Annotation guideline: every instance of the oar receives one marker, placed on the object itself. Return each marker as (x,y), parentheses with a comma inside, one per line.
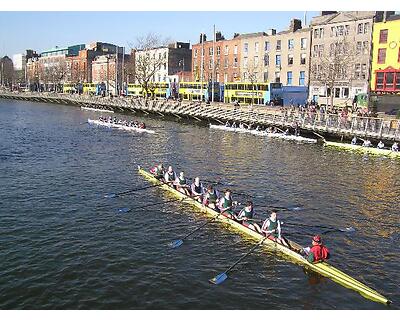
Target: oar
(318,135)
(223,276)
(346,229)
(160,203)
(177,243)
(114,195)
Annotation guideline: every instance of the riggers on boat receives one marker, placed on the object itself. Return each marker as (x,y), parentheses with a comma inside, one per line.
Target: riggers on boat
(119,126)
(359,148)
(322,268)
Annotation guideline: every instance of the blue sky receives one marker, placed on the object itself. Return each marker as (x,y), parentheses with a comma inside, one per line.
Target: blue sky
(43,30)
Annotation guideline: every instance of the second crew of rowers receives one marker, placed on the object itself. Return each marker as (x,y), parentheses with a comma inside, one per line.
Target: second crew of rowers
(271,228)
(181,185)
(380,145)
(226,204)
(170,177)
(395,147)
(210,198)
(197,190)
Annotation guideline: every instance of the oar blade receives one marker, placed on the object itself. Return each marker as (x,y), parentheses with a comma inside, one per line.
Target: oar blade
(110,195)
(348,229)
(219,278)
(123,210)
(176,243)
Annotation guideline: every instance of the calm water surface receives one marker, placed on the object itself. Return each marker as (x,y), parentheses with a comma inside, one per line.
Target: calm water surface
(64,246)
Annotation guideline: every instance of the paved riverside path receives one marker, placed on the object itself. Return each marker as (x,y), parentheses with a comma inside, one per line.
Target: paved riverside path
(331,125)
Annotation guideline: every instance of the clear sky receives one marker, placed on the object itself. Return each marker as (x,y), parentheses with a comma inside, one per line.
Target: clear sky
(44,30)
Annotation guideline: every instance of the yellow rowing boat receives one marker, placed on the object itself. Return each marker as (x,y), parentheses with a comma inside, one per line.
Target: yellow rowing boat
(359,148)
(322,268)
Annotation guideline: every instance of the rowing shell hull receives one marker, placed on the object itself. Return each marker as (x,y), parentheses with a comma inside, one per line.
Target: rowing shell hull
(119,126)
(95,109)
(322,268)
(358,148)
(264,134)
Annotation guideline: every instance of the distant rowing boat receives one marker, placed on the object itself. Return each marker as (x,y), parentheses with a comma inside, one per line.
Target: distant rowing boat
(95,109)
(119,126)
(359,148)
(265,134)
(322,268)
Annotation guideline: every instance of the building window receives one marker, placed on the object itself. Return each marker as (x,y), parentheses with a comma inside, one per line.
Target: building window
(278,60)
(235,62)
(388,80)
(290,59)
(381,55)
(278,44)
(255,61)
(210,64)
(266,60)
(256,47)
(366,27)
(303,43)
(226,63)
(245,62)
(290,44)
(235,49)
(277,76)
(380,77)
(358,47)
(245,48)
(383,35)
(289,78)
(266,46)
(359,28)
(302,78)
(265,76)
(364,71)
(210,51)
(195,53)
(357,70)
(303,57)
(365,47)
(226,50)
(218,51)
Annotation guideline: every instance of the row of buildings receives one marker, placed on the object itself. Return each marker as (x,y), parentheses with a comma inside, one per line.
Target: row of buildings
(335,58)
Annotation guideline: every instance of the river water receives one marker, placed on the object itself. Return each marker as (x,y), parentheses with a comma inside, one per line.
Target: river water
(63,245)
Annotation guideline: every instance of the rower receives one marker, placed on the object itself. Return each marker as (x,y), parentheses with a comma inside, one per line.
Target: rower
(142,125)
(180,184)
(234,125)
(241,126)
(367,143)
(211,197)
(226,204)
(170,176)
(354,140)
(227,124)
(318,252)
(380,145)
(197,189)
(246,215)
(395,147)
(158,171)
(271,228)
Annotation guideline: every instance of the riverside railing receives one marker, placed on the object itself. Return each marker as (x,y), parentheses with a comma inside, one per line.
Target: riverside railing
(372,127)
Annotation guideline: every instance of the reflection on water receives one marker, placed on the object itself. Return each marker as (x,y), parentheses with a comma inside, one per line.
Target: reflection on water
(65,246)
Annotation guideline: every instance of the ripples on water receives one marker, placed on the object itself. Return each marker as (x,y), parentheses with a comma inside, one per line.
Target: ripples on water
(64,246)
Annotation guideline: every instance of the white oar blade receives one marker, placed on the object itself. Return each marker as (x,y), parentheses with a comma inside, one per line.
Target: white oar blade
(110,195)
(176,243)
(124,210)
(219,278)
(348,229)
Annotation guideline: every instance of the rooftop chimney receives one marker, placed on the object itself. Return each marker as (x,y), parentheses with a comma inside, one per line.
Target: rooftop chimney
(203,37)
(271,32)
(295,24)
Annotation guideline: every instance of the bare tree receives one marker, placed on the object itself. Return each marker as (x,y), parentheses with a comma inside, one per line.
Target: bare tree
(252,69)
(335,66)
(147,60)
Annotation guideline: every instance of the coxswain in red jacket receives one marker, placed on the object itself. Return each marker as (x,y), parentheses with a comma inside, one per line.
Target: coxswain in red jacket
(318,252)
